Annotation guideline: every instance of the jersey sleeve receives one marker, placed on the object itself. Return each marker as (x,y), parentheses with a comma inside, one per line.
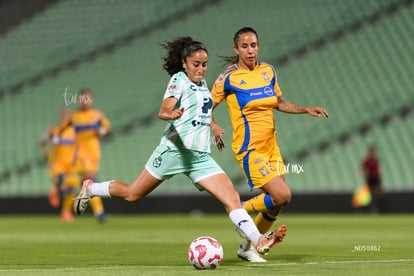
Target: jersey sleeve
(173,88)
(105,122)
(277,90)
(276,87)
(217,92)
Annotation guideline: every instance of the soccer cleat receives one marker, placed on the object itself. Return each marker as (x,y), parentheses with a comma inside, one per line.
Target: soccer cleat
(82,200)
(270,239)
(250,254)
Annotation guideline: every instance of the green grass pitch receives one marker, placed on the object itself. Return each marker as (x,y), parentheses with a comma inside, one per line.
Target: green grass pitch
(157,245)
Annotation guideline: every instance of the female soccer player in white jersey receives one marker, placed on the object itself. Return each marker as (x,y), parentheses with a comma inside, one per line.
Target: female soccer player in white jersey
(185,144)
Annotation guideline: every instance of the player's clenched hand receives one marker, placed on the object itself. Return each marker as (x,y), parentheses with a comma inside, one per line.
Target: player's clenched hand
(176,113)
(219,143)
(218,133)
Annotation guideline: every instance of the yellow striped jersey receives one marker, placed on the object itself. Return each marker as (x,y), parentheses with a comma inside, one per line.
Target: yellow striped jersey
(62,144)
(87,124)
(251,97)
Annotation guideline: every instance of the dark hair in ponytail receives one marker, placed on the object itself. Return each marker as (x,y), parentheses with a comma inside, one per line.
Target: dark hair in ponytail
(235,59)
(178,50)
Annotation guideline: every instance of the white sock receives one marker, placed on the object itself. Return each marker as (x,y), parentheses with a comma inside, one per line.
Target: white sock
(245,224)
(99,189)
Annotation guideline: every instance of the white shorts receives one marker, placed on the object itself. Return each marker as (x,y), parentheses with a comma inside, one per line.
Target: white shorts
(165,162)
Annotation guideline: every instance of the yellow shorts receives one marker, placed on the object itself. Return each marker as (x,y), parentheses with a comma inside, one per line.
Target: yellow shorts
(88,156)
(65,171)
(72,180)
(87,165)
(58,168)
(261,167)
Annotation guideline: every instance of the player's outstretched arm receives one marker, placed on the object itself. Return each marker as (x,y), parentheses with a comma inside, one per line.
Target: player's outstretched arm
(289,107)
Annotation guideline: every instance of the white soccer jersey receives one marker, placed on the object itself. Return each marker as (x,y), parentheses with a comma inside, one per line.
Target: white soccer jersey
(192,129)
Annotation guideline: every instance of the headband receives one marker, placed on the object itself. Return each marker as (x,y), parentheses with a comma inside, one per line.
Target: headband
(193,47)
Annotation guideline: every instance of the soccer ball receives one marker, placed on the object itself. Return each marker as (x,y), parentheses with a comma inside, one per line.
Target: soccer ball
(205,253)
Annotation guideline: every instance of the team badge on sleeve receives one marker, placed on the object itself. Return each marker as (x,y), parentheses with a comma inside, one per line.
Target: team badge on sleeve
(157,162)
(171,87)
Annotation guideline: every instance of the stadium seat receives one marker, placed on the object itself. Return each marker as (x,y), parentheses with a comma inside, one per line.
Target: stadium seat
(354,78)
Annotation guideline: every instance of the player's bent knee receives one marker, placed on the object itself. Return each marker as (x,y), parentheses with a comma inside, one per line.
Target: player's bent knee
(286,197)
(283,198)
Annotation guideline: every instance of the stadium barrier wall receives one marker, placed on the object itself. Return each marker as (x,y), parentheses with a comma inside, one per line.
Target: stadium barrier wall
(301,203)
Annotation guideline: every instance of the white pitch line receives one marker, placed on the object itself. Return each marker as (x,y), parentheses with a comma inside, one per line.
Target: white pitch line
(335,262)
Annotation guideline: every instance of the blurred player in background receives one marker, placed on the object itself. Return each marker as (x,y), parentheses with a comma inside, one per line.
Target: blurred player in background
(185,144)
(251,91)
(90,125)
(372,176)
(61,160)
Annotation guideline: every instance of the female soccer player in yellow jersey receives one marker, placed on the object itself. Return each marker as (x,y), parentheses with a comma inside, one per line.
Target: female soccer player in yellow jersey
(185,144)
(90,125)
(61,160)
(251,91)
